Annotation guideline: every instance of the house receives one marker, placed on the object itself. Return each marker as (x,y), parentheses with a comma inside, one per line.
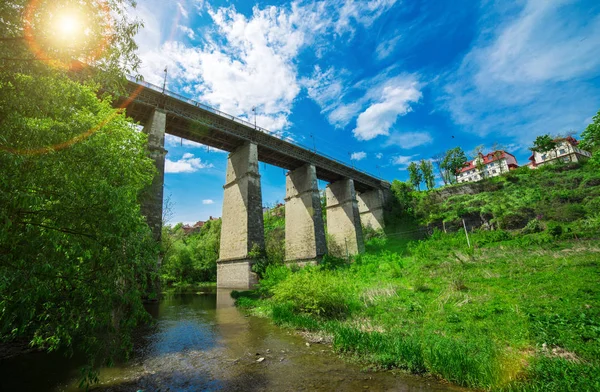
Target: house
(491,165)
(566,150)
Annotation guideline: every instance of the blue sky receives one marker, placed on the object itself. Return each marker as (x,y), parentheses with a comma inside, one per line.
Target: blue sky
(381,82)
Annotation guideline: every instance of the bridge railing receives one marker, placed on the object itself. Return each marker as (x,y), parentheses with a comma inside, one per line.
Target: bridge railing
(236,119)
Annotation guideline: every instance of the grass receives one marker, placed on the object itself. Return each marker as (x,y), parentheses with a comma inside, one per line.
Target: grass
(515,312)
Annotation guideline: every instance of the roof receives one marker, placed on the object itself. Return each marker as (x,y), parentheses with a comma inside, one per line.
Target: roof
(488,158)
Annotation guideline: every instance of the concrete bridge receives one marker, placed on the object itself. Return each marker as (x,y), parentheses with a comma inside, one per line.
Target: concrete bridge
(353,197)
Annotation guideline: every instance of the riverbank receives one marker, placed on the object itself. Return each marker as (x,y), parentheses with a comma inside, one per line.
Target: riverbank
(515,312)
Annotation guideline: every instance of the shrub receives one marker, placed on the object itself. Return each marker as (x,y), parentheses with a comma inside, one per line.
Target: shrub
(533,226)
(273,275)
(317,292)
(555,230)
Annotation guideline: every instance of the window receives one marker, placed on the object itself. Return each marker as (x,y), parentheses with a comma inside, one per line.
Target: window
(562,151)
(494,171)
(544,157)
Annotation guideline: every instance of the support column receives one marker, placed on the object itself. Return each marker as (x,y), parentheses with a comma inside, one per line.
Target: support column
(304,229)
(152,199)
(343,219)
(242,225)
(370,206)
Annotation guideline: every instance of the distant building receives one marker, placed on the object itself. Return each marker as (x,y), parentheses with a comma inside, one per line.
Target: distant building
(566,150)
(187,229)
(492,165)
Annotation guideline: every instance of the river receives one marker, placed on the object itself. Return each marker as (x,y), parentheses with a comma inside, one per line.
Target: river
(201,342)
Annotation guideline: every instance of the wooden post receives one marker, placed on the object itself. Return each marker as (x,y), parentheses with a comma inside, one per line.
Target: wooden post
(466,233)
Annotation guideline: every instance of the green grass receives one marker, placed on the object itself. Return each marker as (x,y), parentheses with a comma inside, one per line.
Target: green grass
(516,312)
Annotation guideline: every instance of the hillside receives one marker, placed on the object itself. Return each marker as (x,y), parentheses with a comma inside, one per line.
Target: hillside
(566,195)
(519,309)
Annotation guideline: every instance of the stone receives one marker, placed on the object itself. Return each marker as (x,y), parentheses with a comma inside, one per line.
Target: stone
(242,222)
(370,207)
(304,228)
(343,219)
(152,197)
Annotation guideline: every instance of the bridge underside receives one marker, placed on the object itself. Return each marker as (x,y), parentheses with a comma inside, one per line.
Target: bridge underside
(279,153)
(354,198)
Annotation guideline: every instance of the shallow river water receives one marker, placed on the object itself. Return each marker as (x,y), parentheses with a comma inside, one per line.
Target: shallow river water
(201,342)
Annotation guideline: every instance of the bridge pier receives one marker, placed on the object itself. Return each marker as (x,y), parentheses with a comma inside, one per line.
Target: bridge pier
(304,229)
(242,222)
(370,206)
(152,199)
(343,219)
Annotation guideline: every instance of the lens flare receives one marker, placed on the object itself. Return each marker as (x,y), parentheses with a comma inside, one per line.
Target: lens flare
(51,27)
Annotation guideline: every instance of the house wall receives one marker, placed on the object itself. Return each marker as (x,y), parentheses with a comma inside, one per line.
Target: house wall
(564,151)
(492,169)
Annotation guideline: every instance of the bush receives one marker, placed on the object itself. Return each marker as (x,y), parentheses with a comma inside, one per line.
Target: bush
(318,292)
(533,226)
(555,230)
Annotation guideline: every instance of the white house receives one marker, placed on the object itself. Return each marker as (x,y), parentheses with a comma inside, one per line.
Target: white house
(566,150)
(491,165)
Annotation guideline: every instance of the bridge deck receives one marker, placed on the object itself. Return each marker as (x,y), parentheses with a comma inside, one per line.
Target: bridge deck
(194,121)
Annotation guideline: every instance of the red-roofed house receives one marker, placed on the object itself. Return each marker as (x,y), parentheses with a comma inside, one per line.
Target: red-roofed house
(492,165)
(566,150)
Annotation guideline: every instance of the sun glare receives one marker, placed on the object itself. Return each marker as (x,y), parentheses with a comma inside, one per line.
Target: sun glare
(68,27)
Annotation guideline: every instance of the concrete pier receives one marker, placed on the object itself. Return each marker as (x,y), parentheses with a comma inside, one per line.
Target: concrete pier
(343,219)
(304,229)
(242,226)
(152,199)
(370,206)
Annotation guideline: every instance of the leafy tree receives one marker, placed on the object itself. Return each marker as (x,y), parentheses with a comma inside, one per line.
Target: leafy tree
(454,160)
(543,143)
(75,252)
(438,159)
(427,172)
(415,175)
(590,137)
(75,249)
(48,37)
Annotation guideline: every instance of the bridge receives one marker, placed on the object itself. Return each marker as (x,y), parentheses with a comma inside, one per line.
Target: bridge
(353,198)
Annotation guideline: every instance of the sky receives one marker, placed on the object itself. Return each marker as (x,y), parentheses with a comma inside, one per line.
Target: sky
(375,83)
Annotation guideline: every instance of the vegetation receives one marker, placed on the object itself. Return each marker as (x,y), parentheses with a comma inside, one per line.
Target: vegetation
(76,254)
(415,176)
(543,143)
(190,258)
(516,310)
(590,138)
(427,171)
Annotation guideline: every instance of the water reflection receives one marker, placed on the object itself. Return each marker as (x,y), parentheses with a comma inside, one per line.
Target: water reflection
(201,342)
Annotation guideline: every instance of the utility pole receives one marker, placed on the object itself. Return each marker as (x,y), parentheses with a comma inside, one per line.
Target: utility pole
(314,143)
(165,80)
(378,170)
(254,110)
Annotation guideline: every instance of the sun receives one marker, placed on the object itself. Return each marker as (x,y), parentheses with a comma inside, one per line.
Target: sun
(68,27)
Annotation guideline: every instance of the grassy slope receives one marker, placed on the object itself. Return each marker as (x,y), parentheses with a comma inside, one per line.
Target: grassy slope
(516,312)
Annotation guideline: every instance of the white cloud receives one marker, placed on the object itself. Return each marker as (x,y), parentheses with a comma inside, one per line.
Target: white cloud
(187,164)
(396,96)
(208,201)
(385,48)
(379,155)
(357,156)
(174,141)
(408,140)
(530,75)
(402,161)
(182,10)
(246,62)
(188,31)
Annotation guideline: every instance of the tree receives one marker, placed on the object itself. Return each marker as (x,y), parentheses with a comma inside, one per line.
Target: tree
(427,172)
(590,137)
(415,175)
(48,37)
(75,252)
(438,159)
(543,144)
(454,160)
